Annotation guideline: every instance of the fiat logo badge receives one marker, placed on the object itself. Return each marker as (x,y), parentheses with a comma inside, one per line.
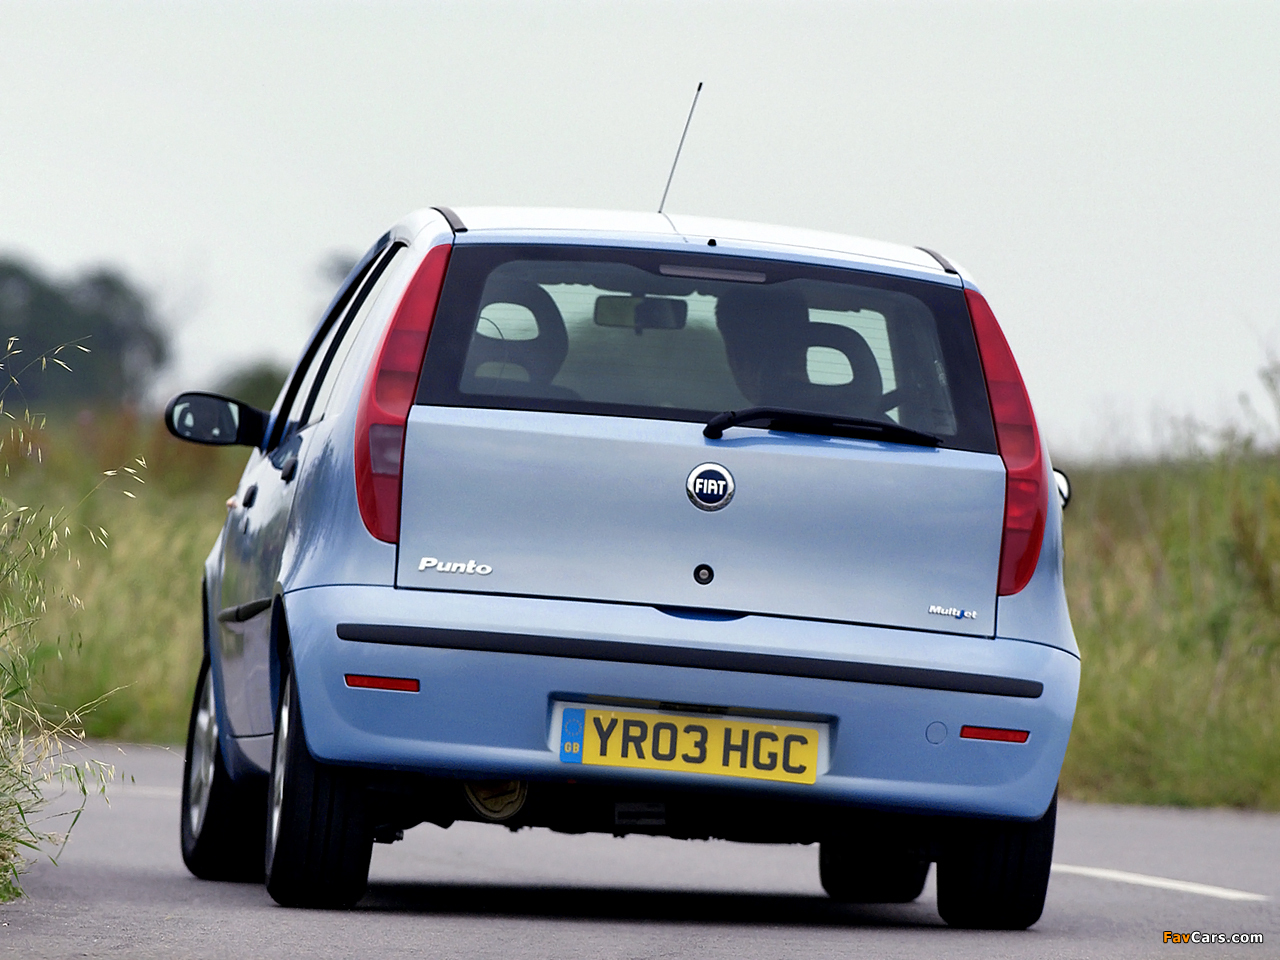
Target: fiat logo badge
(710,486)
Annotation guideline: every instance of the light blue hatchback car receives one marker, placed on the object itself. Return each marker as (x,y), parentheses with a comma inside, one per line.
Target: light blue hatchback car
(635,523)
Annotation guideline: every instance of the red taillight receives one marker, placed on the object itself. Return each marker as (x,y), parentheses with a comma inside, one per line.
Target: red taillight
(1026,496)
(388,395)
(994,733)
(365,682)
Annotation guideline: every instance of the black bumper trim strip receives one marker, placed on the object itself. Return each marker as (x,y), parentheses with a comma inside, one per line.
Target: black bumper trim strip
(660,655)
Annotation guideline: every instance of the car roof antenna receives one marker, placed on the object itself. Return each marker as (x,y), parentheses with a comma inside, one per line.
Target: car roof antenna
(672,174)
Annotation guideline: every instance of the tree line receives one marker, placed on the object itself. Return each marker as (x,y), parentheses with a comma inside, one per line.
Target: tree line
(108,331)
(98,322)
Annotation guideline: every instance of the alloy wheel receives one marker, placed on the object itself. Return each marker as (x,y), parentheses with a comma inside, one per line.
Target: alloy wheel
(204,751)
(278,769)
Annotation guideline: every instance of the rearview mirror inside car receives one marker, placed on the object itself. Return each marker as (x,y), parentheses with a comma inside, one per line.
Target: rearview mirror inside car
(215,420)
(641,313)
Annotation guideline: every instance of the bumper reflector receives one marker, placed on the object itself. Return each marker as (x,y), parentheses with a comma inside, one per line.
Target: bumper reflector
(994,733)
(403,684)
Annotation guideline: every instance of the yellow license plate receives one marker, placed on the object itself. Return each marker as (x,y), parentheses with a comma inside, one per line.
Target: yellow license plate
(724,746)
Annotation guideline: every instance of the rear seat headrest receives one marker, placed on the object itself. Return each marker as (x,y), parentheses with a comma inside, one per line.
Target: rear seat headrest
(767,335)
(541,356)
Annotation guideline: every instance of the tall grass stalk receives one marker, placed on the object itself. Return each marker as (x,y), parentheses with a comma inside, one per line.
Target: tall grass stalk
(34,741)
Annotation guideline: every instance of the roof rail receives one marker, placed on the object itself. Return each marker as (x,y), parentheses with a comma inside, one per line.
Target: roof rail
(942,261)
(456,224)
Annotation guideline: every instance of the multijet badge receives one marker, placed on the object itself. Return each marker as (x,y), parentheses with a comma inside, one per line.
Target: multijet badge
(953,612)
(710,486)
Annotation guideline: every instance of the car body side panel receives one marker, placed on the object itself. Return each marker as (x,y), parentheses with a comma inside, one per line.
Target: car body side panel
(484,714)
(254,539)
(422,229)
(328,542)
(243,652)
(253,755)
(323,538)
(1039,611)
(226,648)
(323,534)
(242,756)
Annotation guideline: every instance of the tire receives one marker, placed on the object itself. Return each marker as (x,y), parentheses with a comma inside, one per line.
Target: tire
(995,873)
(319,841)
(857,871)
(223,822)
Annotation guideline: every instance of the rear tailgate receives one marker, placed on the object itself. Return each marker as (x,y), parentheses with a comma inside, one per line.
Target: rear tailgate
(544,504)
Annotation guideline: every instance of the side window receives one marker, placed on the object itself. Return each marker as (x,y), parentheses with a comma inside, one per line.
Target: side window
(309,376)
(298,387)
(339,345)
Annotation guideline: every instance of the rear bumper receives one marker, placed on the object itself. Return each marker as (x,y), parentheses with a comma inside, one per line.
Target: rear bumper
(486,699)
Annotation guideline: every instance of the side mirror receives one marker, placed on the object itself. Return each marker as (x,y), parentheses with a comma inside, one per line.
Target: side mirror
(215,420)
(1064,487)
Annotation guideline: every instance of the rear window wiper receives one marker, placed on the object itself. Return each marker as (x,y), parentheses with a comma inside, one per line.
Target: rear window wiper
(804,421)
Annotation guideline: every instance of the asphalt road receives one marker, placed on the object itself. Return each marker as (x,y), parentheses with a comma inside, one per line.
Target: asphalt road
(120,890)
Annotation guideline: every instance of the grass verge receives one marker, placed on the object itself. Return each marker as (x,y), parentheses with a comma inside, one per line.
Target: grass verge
(1173,580)
(137,641)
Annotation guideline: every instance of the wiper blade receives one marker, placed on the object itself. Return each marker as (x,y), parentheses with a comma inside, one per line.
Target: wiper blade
(804,421)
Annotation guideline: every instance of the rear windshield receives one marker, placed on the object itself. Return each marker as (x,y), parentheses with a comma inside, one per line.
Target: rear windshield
(654,334)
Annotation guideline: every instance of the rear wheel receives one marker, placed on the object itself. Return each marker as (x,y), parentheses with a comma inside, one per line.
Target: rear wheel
(223,822)
(319,842)
(994,874)
(863,871)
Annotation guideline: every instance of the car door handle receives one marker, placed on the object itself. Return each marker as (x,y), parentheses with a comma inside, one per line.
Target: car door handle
(289,468)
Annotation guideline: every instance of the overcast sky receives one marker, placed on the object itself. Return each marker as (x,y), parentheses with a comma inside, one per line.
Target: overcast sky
(1110,172)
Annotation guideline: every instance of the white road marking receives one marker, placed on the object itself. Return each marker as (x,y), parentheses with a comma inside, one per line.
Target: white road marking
(1162,883)
(117,790)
